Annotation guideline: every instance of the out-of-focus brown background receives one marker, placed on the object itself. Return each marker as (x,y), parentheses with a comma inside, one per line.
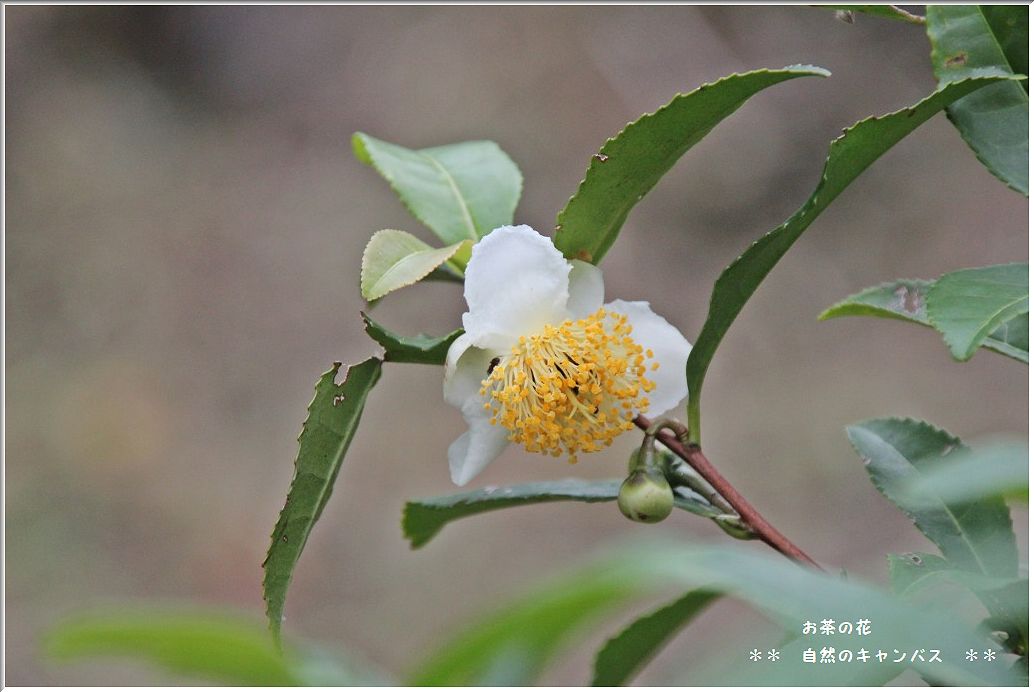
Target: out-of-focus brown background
(185,222)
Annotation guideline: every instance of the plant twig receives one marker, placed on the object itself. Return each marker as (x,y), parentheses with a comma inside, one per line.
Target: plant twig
(695,458)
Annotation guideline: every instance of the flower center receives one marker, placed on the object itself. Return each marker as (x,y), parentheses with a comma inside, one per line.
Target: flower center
(573,388)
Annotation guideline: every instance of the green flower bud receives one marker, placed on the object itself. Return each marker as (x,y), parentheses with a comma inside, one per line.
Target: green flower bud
(645,496)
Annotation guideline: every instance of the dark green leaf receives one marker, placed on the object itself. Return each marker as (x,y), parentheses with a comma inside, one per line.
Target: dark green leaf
(460,191)
(423,349)
(968,305)
(993,122)
(974,536)
(631,163)
(994,469)
(396,259)
(884,11)
(333,417)
(849,155)
(423,519)
(624,654)
(906,300)
(1010,26)
(222,649)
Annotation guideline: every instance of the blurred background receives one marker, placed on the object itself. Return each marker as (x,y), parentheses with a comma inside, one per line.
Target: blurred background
(185,223)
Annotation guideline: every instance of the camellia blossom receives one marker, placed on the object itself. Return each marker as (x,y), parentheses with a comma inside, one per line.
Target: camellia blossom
(544,363)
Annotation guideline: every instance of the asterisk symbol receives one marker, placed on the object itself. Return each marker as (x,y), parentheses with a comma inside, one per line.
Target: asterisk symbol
(773,655)
(972,655)
(989,655)
(755,655)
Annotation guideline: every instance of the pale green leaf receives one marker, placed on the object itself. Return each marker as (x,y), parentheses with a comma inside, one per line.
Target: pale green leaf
(422,519)
(849,155)
(994,121)
(423,349)
(333,417)
(905,299)
(395,259)
(202,644)
(975,535)
(460,191)
(631,649)
(222,649)
(996,468)
(968,305)
(631,163)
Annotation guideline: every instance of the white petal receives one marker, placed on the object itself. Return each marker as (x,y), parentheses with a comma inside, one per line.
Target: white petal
(585,288)
(670,351)
(475,449)
(465,367)
(516,283)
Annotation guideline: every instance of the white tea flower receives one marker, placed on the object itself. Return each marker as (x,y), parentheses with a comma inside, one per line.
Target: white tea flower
(544,363)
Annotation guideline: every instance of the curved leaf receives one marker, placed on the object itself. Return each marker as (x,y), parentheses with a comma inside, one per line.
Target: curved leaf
(423,349)
(460,191)
(333,417)
(994,469)
(993,122)
(897,452)
(223,649)
(624,654)
(631,163)
(395,259)
(849,155)
(905,299)
(423,519)
(968,305)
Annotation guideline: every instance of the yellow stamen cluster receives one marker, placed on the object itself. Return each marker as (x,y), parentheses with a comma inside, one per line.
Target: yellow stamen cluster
(572,388)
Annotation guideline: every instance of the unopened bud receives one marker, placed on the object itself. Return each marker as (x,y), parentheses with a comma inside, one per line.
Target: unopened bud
(645,496)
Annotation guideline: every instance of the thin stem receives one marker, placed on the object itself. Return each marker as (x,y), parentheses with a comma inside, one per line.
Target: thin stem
(695,458)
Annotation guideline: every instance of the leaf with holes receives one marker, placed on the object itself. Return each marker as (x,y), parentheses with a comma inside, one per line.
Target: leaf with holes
(975,535)
(460,191)
(967,40)
(883,11)
(631,163)
(422,349)
(333,417)
(628,651)
(849,155)
(395,259)
(423,519)
(905,299)
(968,305)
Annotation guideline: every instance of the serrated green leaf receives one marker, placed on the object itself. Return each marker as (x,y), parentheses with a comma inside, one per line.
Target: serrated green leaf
(905,299)
(460,191)
(422,519)
(977,535)
(395,259)
(968,305)
(993,122)
(884,11)
(631,163)
(202,644)
(849,155)
(1010,26)
(994,469)
(632,648)
(333,417)
(422,349)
